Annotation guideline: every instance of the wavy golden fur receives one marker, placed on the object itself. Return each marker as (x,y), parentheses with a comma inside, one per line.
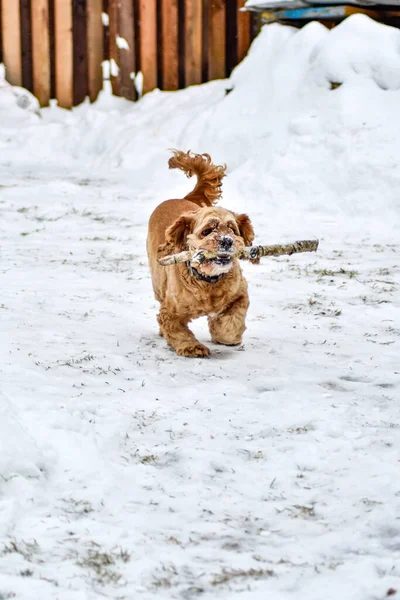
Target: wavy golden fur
(216,289)
(208,188)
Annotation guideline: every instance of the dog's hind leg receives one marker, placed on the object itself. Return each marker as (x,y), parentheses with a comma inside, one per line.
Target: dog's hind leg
(228,327)
(178,335)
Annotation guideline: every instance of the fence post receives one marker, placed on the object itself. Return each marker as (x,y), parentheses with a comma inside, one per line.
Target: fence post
(79,36)
(26,46)
(148,43)
(63,52)
(112,47)
(41,51)
(169,44)
(95,47)
(193,41)
(217,40)
(126,52)
(11,34)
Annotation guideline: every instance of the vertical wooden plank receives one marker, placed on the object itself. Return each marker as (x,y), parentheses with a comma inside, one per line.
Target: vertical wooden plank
(181,43)
(63,53)
(95,48)
(243,31)
(11,40)
(193,15)
(205,37)
(52,50)
(26,44)
(148,43)
(127,49)
(136,32)
(41,51)
(169,44)
(106,31)
(217,40)
(113,52)
(79,50)
(159,39)
(231,36)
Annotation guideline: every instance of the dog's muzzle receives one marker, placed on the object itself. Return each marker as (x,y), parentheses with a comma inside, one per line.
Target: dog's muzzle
(222,260)
(208,278)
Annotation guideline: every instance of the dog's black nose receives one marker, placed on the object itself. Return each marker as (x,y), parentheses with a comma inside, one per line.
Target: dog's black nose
(226,243)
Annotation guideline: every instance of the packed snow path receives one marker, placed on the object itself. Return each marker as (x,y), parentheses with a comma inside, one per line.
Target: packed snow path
(126,471)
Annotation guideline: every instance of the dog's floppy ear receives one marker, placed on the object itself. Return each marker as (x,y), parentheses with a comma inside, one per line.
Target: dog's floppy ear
(245,228)
(176,235)
(247,233)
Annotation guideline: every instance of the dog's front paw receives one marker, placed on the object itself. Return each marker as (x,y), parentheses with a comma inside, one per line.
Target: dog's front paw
(193,351)
(226,342)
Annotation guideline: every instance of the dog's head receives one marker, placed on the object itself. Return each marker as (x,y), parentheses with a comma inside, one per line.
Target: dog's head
(216,230)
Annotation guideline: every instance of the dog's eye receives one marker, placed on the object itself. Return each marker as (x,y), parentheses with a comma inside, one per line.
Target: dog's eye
(206,232)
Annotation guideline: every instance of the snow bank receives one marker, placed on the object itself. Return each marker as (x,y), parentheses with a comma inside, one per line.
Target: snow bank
(359,52)
(315,112)
(19,453)
(16,103)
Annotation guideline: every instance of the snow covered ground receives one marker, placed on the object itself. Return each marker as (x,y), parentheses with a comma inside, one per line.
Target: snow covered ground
(267,471)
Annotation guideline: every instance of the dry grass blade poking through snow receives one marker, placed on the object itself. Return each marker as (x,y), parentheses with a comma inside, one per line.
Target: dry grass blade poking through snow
(252,252)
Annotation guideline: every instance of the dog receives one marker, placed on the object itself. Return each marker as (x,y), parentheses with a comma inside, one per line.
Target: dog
(216,288)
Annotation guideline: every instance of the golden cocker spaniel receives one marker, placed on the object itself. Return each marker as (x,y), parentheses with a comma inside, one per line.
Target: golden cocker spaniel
(216,288)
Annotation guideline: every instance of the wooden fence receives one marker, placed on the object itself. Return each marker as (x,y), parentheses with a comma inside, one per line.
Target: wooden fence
(55,48)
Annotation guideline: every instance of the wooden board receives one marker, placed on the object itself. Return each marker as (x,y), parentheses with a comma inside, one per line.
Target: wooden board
(11,40)
(127,62)
(113,53)
(95,47)
(41,51)
(243,31)
(63,53)
(26,47)
(148,43)
(216,40)
(106,31)
(231,9)
(52,52)
(79,37)
(193,25)
(169,45)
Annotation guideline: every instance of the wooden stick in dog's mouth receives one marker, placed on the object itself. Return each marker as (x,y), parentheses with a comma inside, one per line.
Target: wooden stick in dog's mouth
(252,253)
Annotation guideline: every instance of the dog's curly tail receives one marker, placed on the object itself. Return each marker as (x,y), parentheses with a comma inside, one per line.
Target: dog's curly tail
(208,188)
